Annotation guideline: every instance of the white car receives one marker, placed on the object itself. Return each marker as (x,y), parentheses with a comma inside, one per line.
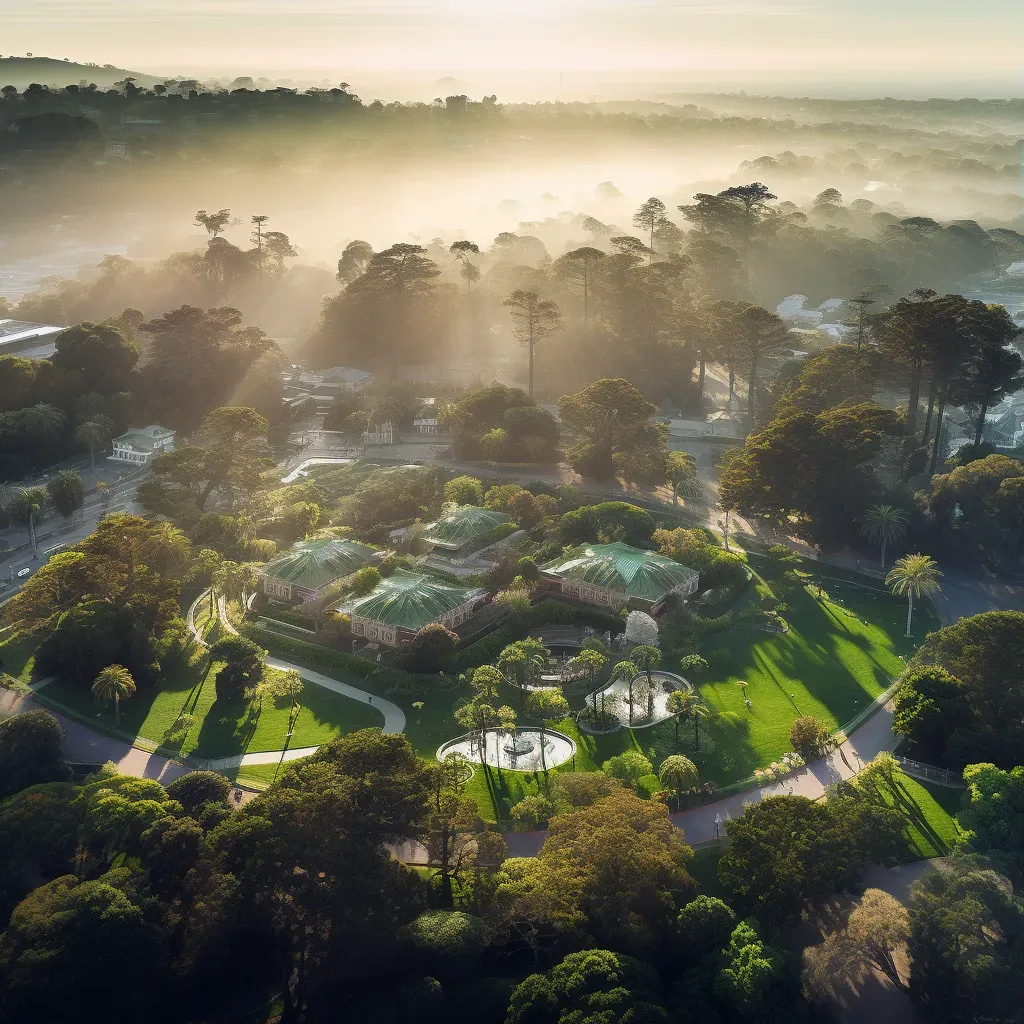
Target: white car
(24,572)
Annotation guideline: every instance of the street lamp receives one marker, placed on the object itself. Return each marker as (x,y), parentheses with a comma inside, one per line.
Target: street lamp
(718,828)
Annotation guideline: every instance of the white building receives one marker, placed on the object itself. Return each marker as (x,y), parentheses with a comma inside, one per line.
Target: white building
(138,446)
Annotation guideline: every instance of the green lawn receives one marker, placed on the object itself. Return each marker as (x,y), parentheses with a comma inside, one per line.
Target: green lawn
(18,654)
(217,732)
(838,655)
(929,811)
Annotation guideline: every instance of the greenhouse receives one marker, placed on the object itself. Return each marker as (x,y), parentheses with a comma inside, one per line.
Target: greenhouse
(402,604)
(467,529)
(302,573)
(613,575)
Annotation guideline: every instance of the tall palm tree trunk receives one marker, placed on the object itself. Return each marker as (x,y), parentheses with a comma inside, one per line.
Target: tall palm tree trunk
(910,609)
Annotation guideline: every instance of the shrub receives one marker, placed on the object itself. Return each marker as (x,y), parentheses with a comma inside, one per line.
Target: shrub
(365,580)
(197,788)
(721,659)
(464,490)
(628,767)
(810,737)
(449,941)
(430,649)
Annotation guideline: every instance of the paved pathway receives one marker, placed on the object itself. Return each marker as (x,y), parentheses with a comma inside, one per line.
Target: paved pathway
(873,736)
(84,746)
(394,716)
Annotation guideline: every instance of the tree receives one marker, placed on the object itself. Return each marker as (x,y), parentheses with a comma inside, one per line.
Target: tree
(679,775)
(992,818)
(99,358)
(112,685)
(915,576)
(966,946)
(810,738)
(986,712)
(431,648)
(930,705)
(450,943)
(464,490)
(533,320)
(577,268)
(28,506)
(646,657)
(67,493)
(194,790)
(610,425)
(353,261)
(752,979)
(761,334)
(606,521)
(214,223)
(884,525)
(704,926)
(647,218)
(613,873)
(594,985)
(787,852)
(495,445)
(94,433)
(687,704)
(682,475)
(590,664)
(72,943)
(629,767)
(810,474)
(30,751)
(641,629)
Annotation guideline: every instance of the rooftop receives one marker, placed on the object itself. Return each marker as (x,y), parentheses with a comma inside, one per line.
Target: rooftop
(461,527)
(313,564)
(144,438)
(623,569)
(411,601)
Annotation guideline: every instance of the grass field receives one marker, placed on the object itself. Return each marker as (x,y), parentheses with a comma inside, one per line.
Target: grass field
(929,811)
(836,658)
(216,731)
(17,655)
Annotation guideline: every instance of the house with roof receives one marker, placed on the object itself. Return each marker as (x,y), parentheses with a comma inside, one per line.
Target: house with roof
(618,574)
(141,445)
(466,530)
(322,386)
(403,603)
(308,568)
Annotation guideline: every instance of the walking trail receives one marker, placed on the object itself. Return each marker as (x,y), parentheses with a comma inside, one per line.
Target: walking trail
(394,716)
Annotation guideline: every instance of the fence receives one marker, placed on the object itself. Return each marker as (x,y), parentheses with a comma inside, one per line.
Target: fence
(929,773)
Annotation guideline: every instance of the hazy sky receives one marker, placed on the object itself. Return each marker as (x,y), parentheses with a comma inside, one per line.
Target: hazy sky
(871,42)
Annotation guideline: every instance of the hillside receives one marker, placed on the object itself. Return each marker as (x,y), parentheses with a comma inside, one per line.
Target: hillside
(23,71)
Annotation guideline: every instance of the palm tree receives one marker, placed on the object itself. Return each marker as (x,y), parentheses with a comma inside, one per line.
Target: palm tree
(645,657)
(884,525)
(687,704)
(590,663)
(43,420)
(167,547)
(28,506)
(624,671)
(94,433)
(113,684)
(679,774)
(67,493)
(916,576)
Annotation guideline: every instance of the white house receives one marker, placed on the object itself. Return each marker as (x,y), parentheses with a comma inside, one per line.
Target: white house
(141,444)
(323,386)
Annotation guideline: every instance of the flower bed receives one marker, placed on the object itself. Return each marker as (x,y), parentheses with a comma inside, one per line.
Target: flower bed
(786,765)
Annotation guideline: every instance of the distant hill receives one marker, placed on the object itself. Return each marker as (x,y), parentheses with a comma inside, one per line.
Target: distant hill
(21,72)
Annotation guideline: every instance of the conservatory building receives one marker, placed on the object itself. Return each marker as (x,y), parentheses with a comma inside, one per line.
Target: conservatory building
(306,569)
(466,530)
(616,575)
(403,603)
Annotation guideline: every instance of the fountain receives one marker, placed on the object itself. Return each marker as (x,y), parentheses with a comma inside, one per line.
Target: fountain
(527,750)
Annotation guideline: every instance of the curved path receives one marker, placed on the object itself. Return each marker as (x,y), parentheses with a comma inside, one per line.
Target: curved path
(394,716)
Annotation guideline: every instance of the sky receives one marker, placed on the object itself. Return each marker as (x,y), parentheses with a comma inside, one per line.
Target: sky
(867,47)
